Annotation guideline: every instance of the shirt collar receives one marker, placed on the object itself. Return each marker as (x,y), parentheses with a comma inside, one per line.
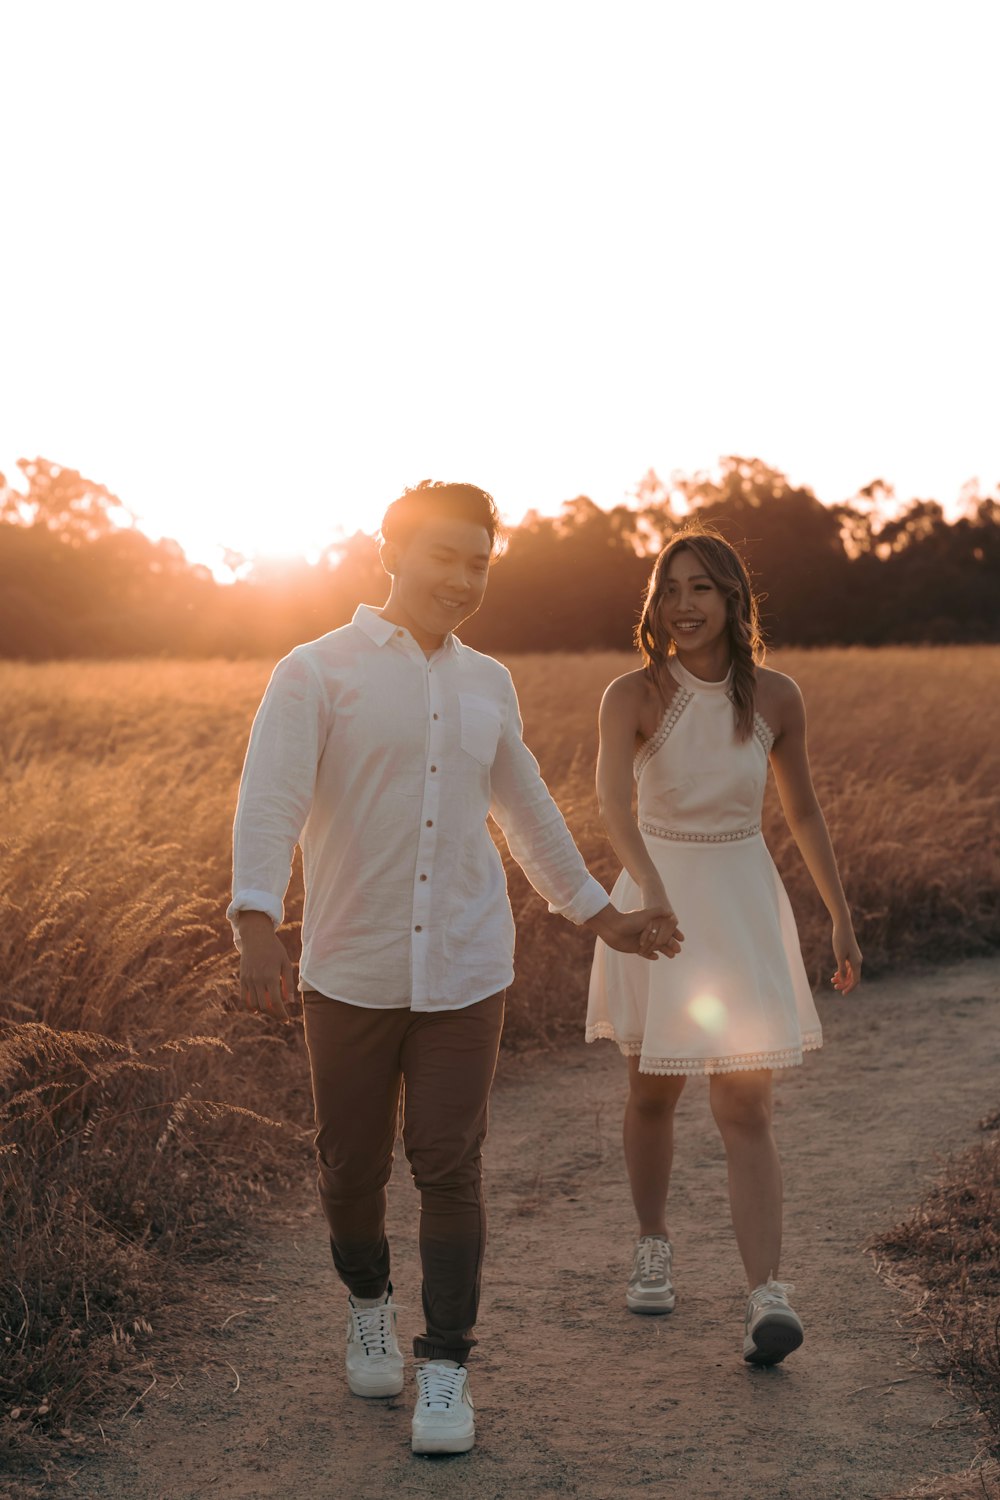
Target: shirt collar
(382,631)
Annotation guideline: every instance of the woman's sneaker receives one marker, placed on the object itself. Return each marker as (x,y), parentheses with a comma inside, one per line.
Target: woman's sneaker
(444,1417)
(772,1328)
(374,1361)
(650,1289)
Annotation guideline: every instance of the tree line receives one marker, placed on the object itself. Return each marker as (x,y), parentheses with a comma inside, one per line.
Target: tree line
(78,579)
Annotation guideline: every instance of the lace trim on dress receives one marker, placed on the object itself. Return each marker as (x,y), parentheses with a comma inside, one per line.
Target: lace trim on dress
(693,1067)
(683,836)
(761,728)
(764,732)
(671,714)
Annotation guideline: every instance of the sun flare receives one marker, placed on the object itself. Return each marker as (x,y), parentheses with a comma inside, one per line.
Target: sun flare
(708,1012)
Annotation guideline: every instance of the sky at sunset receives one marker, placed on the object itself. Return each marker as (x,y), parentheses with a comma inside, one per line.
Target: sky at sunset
(264,264)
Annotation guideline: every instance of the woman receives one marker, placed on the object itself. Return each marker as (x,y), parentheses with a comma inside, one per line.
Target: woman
(695,727)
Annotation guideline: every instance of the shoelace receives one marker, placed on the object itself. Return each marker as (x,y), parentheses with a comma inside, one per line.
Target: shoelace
(653,1258)
(439,1386)
(772,1294)
(374,1325)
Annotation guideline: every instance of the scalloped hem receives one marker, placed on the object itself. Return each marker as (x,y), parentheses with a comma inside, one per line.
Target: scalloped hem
(696,1067)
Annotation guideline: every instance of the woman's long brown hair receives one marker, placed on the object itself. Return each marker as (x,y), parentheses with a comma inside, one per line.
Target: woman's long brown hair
(728,572)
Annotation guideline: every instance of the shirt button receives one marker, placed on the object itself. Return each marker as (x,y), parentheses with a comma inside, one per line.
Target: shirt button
(418,928)
(429,823)
(423,877)
(433,716)
(433,768)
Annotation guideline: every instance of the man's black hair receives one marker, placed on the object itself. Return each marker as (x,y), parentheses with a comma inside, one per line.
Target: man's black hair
(431,499)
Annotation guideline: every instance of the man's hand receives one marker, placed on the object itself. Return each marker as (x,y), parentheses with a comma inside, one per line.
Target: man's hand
(267,978)
(649,932)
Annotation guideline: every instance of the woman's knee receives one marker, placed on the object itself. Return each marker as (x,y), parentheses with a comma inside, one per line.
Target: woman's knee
(741,1105)
(653,1096)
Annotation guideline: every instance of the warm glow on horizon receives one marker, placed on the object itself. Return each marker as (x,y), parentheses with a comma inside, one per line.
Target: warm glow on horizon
(265,267)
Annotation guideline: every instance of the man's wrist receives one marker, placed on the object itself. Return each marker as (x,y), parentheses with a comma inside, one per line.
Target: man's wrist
(251,921)
(602,920)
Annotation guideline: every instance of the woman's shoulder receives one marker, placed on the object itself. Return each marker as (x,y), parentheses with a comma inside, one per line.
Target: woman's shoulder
(629,688)
(778,697)
(634,703)
(779,684)
(631,695)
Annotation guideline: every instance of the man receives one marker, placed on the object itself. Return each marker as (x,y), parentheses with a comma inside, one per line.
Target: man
(383,747)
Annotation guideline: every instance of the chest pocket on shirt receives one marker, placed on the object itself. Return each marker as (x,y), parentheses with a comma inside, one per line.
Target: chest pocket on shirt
(481,725)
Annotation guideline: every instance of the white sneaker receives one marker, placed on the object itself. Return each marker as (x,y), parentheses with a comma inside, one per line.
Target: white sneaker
(772,1328)
(650,1289)
(374,1361)
(444,1417)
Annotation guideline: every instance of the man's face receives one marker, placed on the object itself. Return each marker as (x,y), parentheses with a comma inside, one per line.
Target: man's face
(439,577)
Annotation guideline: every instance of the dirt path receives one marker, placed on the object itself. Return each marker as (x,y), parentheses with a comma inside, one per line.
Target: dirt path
(575,1396)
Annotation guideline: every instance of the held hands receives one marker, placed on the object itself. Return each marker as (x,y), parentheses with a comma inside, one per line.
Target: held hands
(662,932)
(848,956)
(648,932)
(267,979)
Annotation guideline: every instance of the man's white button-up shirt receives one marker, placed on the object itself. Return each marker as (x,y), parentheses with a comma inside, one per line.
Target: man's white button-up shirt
(384,765)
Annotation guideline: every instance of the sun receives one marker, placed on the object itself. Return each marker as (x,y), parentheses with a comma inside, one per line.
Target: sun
(228,539)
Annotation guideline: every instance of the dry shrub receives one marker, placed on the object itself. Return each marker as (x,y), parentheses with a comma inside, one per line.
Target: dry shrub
(110,1162)
(949,1251)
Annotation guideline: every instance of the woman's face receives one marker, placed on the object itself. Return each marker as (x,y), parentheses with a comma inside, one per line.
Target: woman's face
(692,609)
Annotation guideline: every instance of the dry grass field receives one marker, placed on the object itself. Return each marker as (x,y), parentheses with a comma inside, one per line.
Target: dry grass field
(135,1107)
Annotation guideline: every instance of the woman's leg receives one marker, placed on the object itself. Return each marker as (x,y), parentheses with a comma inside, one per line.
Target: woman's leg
(648,1136)
(741,1104)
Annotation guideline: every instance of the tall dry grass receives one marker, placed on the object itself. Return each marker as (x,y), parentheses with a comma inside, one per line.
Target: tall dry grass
(119,1066)
(134,1104)
(948,1253)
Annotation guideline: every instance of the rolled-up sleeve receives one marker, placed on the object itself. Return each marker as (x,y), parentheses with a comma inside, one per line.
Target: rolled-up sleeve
(276,788)
(535,829)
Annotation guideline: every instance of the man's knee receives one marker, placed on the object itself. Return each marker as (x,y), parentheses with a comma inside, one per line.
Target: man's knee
(348,1176)
(446,1169)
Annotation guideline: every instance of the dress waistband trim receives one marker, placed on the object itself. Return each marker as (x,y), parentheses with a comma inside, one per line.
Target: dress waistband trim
(681,835)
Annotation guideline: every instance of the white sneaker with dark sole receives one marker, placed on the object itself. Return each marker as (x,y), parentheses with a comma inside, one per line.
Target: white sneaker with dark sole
(374,1361)
(650,1289)
(772,1328)
(444,1416)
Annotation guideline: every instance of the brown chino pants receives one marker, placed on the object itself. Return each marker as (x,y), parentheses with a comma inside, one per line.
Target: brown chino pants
(444,1061)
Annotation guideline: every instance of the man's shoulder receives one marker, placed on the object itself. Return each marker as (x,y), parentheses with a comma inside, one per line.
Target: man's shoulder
(329,649)
(482,667)
(323,657)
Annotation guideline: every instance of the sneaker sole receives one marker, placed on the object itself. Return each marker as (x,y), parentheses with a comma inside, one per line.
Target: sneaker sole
(772,1339)
(389,1383)
(457,1442)
(640,1304)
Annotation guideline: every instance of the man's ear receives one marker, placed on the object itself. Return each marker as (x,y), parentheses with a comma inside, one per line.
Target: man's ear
(388,556)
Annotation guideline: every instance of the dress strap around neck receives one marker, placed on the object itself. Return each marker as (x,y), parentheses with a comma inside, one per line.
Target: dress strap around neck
(695,684)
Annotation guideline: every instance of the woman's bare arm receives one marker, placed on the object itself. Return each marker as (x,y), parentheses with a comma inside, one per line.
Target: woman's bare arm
(800,805)
(619,725)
